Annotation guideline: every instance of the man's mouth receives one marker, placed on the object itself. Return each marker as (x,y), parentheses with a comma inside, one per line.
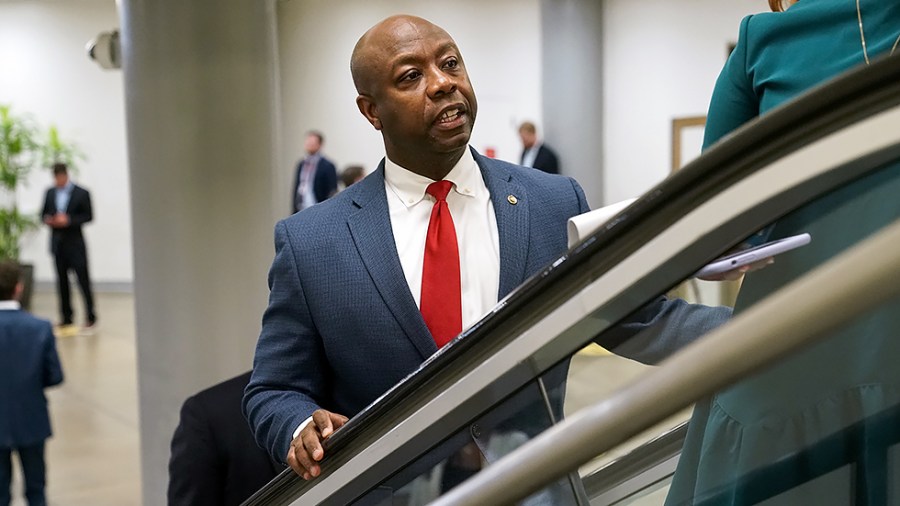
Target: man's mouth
(449,116)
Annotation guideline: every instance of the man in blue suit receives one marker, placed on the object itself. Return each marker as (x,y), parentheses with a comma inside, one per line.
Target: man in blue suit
(338,334)
(316,177)
(28,365)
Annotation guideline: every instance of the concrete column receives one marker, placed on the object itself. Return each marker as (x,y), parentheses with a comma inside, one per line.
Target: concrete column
(201,104)
(572,82)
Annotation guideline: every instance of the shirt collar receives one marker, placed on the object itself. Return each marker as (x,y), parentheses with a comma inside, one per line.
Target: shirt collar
(68,186)
(410,187)
(9,305)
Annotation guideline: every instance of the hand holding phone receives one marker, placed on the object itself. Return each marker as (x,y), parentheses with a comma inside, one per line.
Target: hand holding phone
(741,258)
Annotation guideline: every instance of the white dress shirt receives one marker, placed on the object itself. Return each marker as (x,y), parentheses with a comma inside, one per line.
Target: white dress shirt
(9,305)
(530,155)
(476,233)
(306,185)
(474,221)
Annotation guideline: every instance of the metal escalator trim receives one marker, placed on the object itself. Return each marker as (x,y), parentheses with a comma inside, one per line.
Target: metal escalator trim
(650,454)
(800,313)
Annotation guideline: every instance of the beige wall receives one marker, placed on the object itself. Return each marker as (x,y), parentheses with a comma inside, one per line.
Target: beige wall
(46,72)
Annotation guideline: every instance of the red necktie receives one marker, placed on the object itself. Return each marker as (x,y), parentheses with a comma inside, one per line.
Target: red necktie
(441,301)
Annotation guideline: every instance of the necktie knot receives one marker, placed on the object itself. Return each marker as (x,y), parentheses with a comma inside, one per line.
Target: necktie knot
(439,189)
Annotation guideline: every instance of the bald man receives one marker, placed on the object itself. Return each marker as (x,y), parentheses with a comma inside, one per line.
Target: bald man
(509,222)
(336,336)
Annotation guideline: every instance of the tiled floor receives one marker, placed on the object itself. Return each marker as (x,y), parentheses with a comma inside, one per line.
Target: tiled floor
(93,458)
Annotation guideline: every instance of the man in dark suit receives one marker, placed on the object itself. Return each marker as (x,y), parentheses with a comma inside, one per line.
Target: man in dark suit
(67,207)
(418,250)
(28,365)
(536,154)
(316,177)
(215,461)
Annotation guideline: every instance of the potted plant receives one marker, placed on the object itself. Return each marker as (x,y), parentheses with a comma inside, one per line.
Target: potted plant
(19,152)
(56,150)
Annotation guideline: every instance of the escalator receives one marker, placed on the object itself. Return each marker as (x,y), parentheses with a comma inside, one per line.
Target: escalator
(829,157)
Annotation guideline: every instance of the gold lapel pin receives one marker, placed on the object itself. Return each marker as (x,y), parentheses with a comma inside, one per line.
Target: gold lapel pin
(512,199)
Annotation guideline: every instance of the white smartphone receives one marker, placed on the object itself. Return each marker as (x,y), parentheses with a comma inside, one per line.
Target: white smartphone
(750,255)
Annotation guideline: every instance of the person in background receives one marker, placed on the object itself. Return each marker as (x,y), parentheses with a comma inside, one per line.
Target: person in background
(810,397)
(214,459)
(352,174)
(28,365)
(67,207)
(536,154)
(316,177)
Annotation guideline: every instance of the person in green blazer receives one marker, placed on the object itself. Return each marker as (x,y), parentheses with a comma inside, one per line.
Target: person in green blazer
(852,375)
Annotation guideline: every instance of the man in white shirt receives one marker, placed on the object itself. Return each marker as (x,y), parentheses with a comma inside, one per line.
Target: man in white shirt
(536,154)
(417,251)
(508,222)
(315,179)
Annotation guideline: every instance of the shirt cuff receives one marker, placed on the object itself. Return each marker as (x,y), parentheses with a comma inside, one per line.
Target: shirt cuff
(301,427)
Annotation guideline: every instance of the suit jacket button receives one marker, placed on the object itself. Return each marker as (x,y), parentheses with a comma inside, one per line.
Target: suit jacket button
(512,199)
(476,431)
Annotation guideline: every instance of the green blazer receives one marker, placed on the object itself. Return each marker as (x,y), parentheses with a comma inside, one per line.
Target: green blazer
(850,376)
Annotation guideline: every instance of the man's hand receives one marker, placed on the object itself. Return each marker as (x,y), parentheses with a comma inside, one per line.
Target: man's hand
(306,449)
(58,220)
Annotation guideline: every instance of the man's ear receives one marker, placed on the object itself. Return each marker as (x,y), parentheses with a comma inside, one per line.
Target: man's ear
(368,109)
(17,294)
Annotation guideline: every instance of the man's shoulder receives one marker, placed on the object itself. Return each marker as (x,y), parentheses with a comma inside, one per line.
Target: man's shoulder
(324,160)
(79,189)
(547,149)
(24,320)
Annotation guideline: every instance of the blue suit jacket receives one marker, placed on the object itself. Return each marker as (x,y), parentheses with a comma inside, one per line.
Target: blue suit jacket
(28,364)
(342,326)
(324,181)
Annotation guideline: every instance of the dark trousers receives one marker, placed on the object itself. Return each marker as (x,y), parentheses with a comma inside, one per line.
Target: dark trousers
(32,460)
(73,259)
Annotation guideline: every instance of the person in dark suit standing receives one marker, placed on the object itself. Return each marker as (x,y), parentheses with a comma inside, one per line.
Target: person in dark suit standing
(28,365)
(316,177)
(214,460)
(67,207)
(536,154)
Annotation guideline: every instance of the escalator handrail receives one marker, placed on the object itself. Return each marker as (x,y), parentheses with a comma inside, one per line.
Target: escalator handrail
(819,112)
(800,314)
(648,455)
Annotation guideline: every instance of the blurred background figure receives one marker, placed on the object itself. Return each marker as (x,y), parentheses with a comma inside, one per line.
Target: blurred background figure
(536,154)
(215,461)
(316,177)
(352,174)
(67,207)
(28,365)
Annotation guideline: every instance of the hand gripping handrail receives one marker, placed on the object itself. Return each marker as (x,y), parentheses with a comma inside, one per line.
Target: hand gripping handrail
(799,314)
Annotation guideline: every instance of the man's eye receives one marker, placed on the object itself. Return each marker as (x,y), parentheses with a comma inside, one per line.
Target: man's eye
(451,63)
(411,76)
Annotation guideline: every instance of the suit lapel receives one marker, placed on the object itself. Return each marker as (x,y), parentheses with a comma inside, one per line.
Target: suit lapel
(512,221)
(370,227)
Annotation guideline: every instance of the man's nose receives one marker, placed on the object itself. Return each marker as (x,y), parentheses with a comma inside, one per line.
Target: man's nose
(441,83)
